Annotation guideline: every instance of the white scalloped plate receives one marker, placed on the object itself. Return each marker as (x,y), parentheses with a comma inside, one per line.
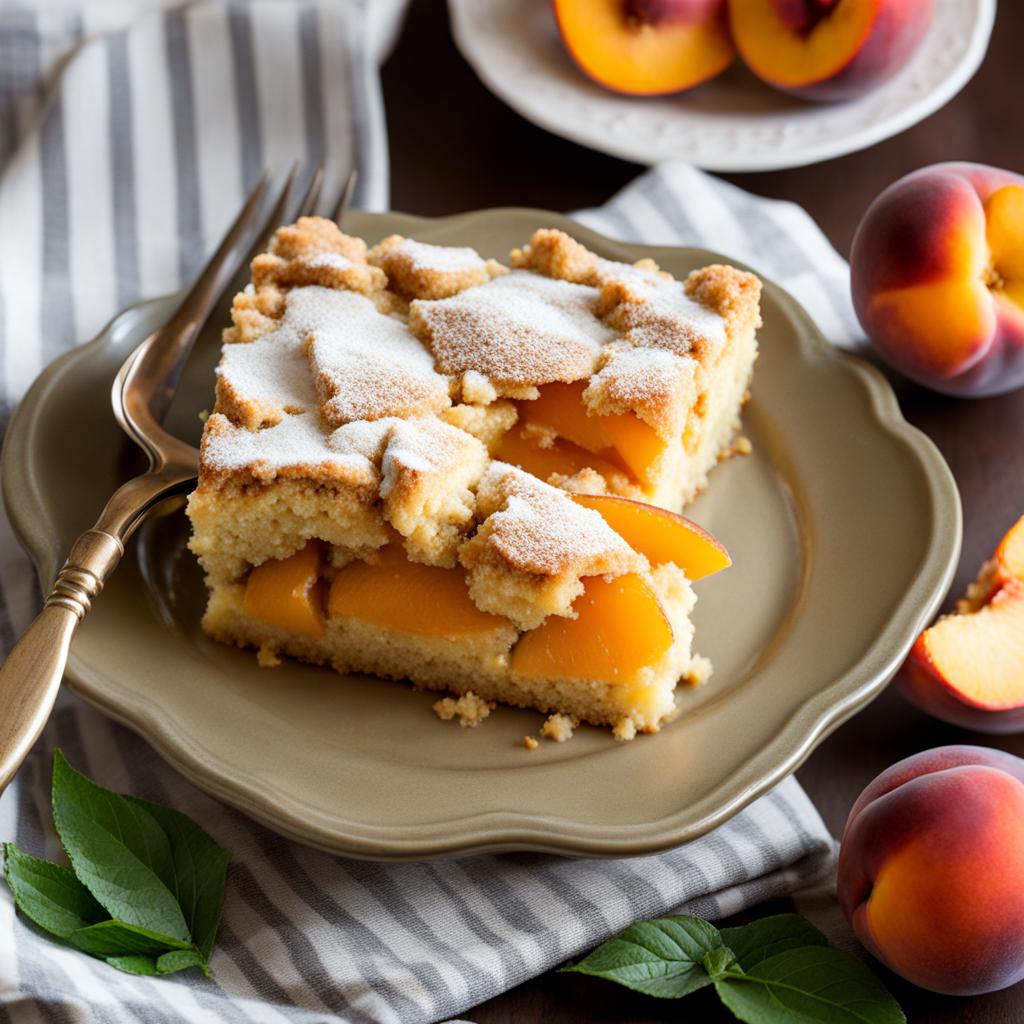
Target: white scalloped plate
(734,123)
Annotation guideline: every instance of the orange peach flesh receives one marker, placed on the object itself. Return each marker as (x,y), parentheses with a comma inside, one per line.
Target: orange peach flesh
(622,440)
(1010,554)
(286,592)
(640,59)
(395,593)
(1004,215)
(980,656)
(560,457)
(619,629)
(660,535)
(792,59)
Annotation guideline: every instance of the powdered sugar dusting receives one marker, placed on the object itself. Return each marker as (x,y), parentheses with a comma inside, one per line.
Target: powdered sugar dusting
(659,386)
(655,311)
(540,529)
(366,364)
(297,446)
(422,446)
(519,329)
(271,374)
(443,258)
(333,260)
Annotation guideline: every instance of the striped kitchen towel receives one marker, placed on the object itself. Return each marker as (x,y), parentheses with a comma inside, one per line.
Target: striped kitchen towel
(128,133)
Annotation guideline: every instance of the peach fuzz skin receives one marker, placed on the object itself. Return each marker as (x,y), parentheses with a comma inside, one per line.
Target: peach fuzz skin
(646,47)
(828,50)
(931,869)
(937,276)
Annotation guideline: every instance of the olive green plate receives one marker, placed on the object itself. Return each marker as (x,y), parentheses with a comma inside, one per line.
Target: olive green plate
(843,525)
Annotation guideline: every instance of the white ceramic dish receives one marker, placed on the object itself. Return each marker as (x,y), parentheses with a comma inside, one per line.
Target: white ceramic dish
(733,123)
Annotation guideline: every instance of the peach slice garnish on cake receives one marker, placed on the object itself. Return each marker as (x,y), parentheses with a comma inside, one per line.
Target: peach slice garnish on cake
(394,593)
(621,439)
(620,628)
(285,592)
(660,535)
(646,47)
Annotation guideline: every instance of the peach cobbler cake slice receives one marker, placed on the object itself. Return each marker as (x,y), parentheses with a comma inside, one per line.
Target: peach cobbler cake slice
(426,465)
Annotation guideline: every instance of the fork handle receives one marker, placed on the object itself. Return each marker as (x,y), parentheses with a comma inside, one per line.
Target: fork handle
(30,676)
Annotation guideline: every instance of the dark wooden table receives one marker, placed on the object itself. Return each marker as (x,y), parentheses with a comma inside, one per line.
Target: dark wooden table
(456,147)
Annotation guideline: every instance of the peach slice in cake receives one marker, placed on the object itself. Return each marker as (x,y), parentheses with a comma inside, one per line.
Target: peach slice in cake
(425,465)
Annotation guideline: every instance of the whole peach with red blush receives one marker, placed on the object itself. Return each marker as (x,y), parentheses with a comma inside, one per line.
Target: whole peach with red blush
(828,49)
(931,869)
(937,275)
(646,47)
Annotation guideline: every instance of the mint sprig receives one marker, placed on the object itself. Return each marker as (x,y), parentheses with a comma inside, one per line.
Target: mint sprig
(146,884)
(779,970)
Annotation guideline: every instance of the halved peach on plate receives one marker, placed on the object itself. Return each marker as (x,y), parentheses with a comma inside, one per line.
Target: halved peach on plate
(828,49)
(646,47)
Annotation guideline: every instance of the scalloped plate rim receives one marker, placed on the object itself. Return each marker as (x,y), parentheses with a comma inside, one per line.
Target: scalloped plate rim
(811,721)
(835,145)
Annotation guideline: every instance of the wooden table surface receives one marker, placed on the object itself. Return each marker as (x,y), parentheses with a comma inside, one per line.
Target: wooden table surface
(456,147)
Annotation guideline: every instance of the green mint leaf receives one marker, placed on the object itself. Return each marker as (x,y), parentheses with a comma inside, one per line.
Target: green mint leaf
(660,958)
(114,938)
(200,872)
(144,965)
(762,939)
(119,852)
(807,985)
(718,961)
(181,960)
(49,894)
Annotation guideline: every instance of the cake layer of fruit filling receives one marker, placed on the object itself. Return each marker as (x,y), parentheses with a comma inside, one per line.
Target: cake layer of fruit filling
(663,405)
(579,606)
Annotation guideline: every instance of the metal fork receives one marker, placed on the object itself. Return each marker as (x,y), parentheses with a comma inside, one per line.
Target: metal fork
(141,395)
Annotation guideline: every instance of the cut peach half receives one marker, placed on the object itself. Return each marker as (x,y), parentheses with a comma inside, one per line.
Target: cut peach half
(979,657)
(395,593)
(620,628)
(1009,556)
(646,47)
(622,440)
(560,457)
(285,592)
(660,535)
(827,49)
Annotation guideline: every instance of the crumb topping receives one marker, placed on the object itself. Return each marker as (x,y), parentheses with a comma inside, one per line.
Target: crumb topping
(539,529)
(297,446)
(366,365)
(516,330)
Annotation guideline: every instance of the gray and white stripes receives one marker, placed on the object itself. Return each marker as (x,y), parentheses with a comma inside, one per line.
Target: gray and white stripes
(310,937)
(128,134)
